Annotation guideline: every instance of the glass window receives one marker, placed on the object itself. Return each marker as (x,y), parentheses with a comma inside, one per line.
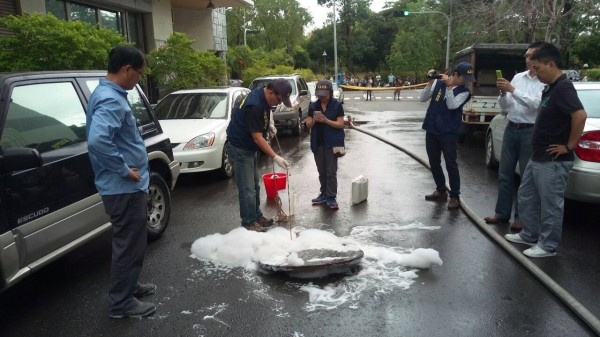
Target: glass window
(46,117)
(83,13)
(192,106)
(589,99)
(136,101)
(110,20)
(56,8)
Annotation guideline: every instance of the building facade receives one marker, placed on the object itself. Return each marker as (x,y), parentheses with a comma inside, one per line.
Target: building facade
(147,23)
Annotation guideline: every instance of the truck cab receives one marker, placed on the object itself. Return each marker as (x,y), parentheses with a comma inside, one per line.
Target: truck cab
(486,58)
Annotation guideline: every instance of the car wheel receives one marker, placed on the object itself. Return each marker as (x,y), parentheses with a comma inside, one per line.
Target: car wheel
(297,128)
(159,206)
(490,157)
(226,170)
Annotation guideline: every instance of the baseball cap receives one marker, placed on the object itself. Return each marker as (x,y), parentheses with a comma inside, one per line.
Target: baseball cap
(323,88)
(465,70)
(283,89)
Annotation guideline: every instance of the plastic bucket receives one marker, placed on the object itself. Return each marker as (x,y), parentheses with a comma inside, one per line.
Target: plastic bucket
(274,182)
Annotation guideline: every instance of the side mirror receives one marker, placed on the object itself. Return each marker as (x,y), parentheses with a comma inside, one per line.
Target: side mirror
(19,158)
(303,92)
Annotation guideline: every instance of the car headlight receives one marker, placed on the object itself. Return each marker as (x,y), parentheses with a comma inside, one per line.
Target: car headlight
(200,142)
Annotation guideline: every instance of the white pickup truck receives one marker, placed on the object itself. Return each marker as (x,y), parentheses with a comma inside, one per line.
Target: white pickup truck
(486,58)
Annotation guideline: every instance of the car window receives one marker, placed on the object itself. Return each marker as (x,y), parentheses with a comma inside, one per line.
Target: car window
(136,101)
(192,106)
(46,117)
(590,101)
(302,83)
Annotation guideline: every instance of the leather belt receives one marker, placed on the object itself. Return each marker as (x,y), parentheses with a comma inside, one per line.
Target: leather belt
(520,125)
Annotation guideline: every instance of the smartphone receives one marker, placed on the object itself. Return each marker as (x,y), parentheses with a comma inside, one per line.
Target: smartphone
(498,73)
(318,113)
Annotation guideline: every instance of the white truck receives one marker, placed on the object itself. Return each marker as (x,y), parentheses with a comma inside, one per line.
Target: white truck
(486,58)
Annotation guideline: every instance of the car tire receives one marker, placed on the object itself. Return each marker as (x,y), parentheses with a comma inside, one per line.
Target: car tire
(490,156)
(159,206)
(297,128)
(226,170)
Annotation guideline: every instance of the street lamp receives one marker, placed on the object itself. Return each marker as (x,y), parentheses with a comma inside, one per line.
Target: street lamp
(324,62)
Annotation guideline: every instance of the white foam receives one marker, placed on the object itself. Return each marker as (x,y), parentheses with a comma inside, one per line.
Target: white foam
(384,269)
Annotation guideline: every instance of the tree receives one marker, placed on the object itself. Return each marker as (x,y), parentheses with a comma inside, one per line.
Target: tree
(176,65)
(43,42)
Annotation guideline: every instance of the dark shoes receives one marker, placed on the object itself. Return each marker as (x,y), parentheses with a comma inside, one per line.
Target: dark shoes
(454,203)
(495,220)
(264,222)
(516,225)
(256,227)
(142,309)
(320,200)
(437,196)
(142,290)
(332,203)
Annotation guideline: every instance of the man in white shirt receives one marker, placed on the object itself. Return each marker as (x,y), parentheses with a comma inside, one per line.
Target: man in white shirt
(520,98)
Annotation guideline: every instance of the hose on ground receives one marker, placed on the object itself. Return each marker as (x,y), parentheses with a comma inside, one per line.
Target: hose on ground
(585,315)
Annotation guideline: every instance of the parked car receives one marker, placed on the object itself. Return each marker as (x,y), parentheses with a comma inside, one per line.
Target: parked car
(584,178)
(284,117)
(338,92)
(196,122)
(49,204)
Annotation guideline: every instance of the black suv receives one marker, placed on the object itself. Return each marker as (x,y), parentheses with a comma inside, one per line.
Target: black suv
(284,117)
(48,201)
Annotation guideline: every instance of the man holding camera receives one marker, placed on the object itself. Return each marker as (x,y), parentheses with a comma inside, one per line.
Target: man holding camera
(442,122)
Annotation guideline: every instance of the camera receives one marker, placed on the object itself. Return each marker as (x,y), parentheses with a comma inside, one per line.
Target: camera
(434,76)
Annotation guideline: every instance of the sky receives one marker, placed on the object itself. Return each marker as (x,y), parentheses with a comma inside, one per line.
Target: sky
(319,13)
(383,269)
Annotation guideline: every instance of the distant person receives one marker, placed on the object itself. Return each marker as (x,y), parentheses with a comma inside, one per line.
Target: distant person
(369,93)
(397,91)
(326,121)
(520,99)
(556,132)
(391,80)
(442,123)
(246,133)
(120,162)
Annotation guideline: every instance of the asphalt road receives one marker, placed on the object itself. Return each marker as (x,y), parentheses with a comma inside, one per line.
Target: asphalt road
(480,290)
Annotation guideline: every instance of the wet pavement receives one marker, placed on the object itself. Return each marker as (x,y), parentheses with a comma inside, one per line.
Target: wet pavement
(480,290)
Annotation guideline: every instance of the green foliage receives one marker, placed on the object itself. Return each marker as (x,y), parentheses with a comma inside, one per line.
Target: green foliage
(593,74)
(43,42)
(587,49)
(176,65)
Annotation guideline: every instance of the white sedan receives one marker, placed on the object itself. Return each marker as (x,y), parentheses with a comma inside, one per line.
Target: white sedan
(584,179)
(196,122)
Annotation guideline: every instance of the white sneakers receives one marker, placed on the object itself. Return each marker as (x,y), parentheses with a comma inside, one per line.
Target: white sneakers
(534,251)
(516,238)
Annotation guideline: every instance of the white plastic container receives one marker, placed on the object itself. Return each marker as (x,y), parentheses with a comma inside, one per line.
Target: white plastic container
(287,207)
(360,189)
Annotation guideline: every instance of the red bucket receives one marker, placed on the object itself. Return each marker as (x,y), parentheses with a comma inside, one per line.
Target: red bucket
(274,181)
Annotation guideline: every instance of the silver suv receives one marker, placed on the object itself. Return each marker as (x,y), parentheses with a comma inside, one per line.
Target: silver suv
(49,204)
(284,117)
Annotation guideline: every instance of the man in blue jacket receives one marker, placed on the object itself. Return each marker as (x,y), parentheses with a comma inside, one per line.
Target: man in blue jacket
(245,137)
(122,176)
(442,124)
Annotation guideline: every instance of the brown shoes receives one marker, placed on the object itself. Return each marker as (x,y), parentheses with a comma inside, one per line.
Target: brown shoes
(494,220)
(437,196)
(454,203)
(256,227)
(516,225)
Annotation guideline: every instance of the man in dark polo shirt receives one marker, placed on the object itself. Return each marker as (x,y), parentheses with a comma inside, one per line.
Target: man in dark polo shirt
(557,129)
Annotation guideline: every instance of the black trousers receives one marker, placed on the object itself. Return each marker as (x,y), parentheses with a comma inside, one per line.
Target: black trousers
(128,215)
(327,166)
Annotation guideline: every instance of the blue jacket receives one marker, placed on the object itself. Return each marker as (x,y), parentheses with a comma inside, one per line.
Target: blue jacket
(332,136)
(237,130)
(440,120)
(114,141)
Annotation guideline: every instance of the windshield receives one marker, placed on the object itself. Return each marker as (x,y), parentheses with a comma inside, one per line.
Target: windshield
(193,106)
(263,83)
(589,99)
